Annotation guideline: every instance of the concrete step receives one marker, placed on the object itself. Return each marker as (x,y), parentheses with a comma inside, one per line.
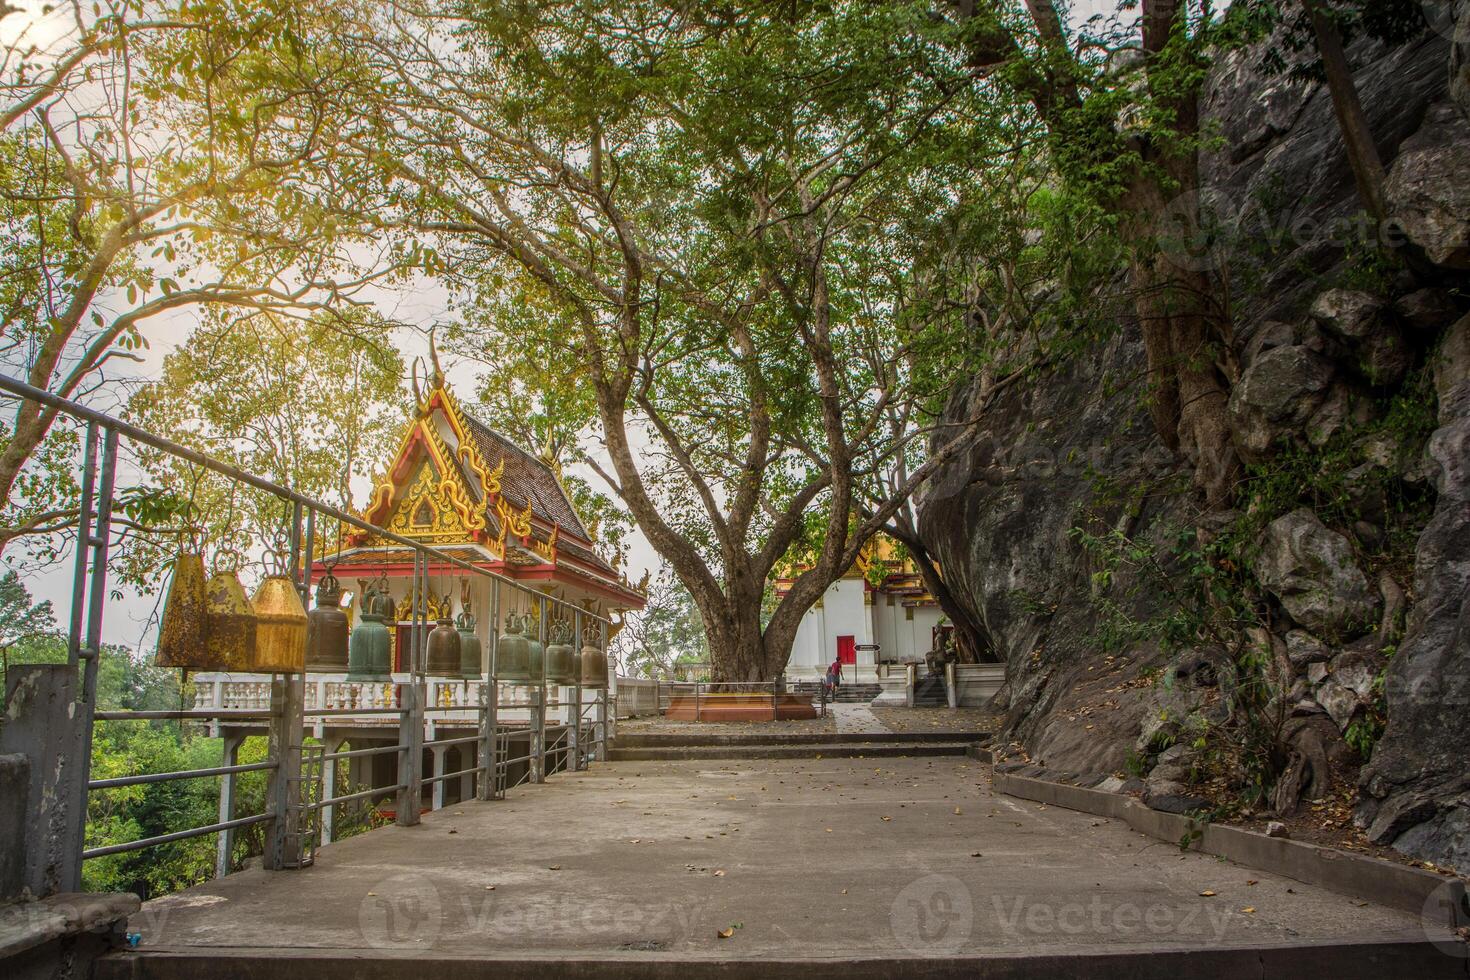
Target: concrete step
(1349,958)
(660,740)
(830,750)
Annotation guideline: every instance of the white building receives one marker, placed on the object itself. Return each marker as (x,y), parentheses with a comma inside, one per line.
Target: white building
(862,624)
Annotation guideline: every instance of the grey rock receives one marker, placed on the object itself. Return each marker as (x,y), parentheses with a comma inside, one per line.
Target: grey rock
(1173,797)
(1421,756)
(1312,571)
(1316,673)
(1268,336)
(1302,648)
(1340,703)
(1398,815)
(1452,358)
(1306,707)
(1275,398)
(1427,309)
(1426,191)
(1357,668)
(1349,313)
(1443,837)
(1113,784)
(1276,828)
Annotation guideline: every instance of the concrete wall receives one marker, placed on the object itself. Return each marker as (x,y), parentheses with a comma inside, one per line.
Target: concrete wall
(903,638)
(843,612)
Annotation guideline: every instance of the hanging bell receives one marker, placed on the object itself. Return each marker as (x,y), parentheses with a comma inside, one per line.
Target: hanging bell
(230,643)
(469,645)
(561,659)
(280,631)
(535,652)
(326,628)
(443,652)
(594,661)
(369,653)
(512,663)
(185,618)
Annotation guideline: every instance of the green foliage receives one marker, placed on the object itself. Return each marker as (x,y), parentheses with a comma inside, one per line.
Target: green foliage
(311,404)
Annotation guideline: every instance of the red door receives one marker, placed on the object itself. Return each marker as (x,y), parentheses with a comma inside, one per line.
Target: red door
(847,649)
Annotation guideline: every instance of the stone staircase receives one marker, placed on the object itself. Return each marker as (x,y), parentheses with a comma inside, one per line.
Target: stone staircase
(680,747)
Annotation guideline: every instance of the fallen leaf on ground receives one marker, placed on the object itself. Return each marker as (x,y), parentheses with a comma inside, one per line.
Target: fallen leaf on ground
(1208,894)
(720,873)
(1249,910)
(725,933)
(885,818)
(1252,881)
(554,867)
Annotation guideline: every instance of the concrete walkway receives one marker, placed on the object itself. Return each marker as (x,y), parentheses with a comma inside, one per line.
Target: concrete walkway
(854,718)
(809,868)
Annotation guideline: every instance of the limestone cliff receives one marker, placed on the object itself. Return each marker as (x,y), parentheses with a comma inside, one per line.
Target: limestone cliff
(1072,534)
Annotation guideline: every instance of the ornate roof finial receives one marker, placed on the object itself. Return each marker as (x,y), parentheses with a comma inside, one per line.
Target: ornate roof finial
(436,379)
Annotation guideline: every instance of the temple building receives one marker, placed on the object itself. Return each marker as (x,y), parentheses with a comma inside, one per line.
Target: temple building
(879,611)
(461,486)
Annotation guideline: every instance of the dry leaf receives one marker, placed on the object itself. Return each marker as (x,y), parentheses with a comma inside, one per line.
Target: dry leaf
(885,818)
(720,873)
(554,867)
(489,888)
(1208,894)
(956,811)
(725,933)
(1252,881)
(1249,910)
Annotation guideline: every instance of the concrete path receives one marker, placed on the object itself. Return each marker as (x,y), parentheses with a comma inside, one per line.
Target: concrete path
(854,718)
(873,862)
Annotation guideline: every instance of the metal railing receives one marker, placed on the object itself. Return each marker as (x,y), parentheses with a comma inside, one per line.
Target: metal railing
(302,787)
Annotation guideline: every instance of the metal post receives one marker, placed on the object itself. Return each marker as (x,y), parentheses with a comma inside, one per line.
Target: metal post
(411,723)
(283,843)
(696,700)
(774,715)
(576,736)
(436,795)
(490,707)
(538,708)
(225,840)
(93,535)
(329,789)
(601,721)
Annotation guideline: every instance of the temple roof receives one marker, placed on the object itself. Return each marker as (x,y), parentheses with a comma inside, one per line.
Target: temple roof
(461,486)
(526,479)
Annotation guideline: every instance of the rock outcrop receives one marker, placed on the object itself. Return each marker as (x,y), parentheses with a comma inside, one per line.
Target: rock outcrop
(1322,350)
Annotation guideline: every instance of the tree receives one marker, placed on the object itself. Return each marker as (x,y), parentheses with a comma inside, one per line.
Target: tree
(1121,105)
(151,159)
(668,632)
(21,619)
(311,404)
(672,206)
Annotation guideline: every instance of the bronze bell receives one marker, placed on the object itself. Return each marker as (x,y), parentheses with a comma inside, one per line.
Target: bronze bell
(535,652)
(326,628)
(443,653)
(512,664)
(594,661)
(369,651)
(185,617)
(469,644)
(230,643)
(561,659)
(280,631)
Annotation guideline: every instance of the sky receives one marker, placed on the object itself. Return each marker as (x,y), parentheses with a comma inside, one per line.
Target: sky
(128,618)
